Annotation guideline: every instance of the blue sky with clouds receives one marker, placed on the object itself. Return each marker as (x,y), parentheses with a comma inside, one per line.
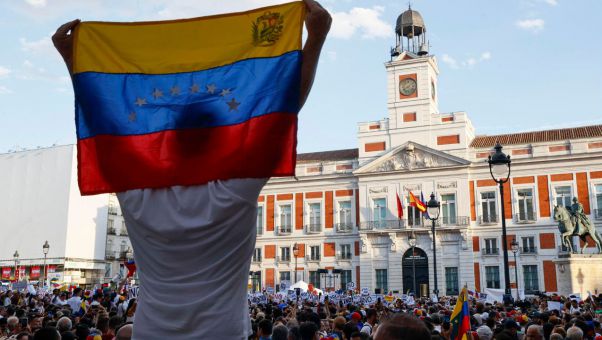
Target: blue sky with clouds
(513,65)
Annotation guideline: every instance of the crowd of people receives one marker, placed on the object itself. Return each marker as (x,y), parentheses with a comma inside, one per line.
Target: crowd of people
(107,314)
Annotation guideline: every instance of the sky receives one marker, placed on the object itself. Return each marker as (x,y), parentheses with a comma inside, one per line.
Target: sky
(513,65)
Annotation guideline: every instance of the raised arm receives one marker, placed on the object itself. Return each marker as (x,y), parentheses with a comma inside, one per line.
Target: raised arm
(317,22)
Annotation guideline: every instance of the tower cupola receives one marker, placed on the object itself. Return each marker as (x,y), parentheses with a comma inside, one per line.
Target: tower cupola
(410,34)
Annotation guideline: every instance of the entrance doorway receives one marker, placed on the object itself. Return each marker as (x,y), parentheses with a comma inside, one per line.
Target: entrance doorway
(415,269)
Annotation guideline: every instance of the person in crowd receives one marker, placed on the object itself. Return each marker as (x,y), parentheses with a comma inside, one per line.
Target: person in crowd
(371,318)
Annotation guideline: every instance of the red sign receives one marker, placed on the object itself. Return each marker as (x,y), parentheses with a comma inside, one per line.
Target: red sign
(51,268)
(20,273)
(34,272)
(6,272)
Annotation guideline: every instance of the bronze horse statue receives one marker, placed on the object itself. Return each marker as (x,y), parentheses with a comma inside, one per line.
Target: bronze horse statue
(566,226)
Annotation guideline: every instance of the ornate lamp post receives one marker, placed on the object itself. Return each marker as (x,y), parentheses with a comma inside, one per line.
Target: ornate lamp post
(412,242)
(514,245)
(295,253)
(45,249)
(433,207)
(16,257)
(499,167)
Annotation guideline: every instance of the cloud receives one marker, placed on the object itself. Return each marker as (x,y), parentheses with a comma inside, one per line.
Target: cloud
(36,3)
(451,62)
(4,71)
(5,90)
(533,25)
(551,2)
(30,71)
(364,21)
(467,63)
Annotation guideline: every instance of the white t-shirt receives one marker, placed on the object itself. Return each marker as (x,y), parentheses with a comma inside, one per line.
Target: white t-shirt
(193,247)
(75,303)
(367,329)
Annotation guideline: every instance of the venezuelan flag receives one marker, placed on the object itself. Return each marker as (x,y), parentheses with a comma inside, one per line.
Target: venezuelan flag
(460,318)
(186,102)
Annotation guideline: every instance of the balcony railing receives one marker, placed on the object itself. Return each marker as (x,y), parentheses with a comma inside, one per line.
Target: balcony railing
(528,250)
(314,258)
(527,217)
(449,220)
(123,233)
(256,259)
(111,231)
(344,257)
(313,228)
(284,259)
(114,210)
(598,214)
(110,255)
(344,227)
(490,251)
(416,222)
(488,219)
(382,225)
(287,230)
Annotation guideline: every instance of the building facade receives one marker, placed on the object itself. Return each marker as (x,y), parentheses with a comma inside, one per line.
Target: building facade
(338,221)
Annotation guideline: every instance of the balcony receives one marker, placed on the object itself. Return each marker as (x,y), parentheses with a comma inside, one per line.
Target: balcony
(284,230)
(450,221)
(312,258)
(490,251)
(124,233)
(114,211)
(488,219)
(344,257)
(111,231)
(344,228)
(528,250)
(110,255)
(283,259)
(526,217)
(382,225)
(256,259)
(313,228)
(598,214)
(416,222)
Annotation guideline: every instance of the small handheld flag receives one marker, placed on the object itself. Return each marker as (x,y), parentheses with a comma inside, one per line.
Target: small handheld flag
(460,317)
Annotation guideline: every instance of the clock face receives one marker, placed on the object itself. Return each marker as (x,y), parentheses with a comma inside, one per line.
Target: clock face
(407,86)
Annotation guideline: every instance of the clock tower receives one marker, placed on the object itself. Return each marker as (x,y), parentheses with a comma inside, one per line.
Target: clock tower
(412,100)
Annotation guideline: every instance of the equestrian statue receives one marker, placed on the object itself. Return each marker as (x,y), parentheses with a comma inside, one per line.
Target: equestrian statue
(572,221)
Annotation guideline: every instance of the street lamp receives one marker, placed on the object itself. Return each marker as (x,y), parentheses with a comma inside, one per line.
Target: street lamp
(45,249)
(514,245)
(433,208)
(295,253)
(16,257)
(499,167)
(412,242)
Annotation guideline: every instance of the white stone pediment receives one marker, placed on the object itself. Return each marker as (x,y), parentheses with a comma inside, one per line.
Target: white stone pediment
(411,156)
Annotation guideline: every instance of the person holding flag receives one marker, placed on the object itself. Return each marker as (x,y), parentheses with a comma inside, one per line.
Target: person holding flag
(460,318)
(186,120)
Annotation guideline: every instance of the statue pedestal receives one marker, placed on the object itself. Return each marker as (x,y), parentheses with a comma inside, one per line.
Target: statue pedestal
(579,273)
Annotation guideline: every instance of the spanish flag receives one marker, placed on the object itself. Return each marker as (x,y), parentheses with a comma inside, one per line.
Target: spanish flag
(460,318)
(418,204)
(186,102)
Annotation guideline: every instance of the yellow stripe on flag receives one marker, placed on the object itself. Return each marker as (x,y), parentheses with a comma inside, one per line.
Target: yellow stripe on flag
(190,44)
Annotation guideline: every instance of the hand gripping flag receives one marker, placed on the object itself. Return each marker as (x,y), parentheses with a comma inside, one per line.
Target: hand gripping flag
(186,102)
(460,318)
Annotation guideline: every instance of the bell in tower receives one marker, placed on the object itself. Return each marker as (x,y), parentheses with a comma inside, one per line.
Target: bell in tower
(410,34)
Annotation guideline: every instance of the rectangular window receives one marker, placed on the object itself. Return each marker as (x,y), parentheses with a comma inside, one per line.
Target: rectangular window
(492,276)
(563,195)
(285,276)
(598,190)
(315,217)
(260,220)
(285,254)
(345,215)
(379,213)
(346,251)
(531,279)
(448,209)
(526,211)
(451,281)
(528,245)
(345,278)
(382,281)
(488,207)
(256,281)
(257,255)
(314,278)
(491,246)
(286,219)
(414,217)
(314,252)
(111,223)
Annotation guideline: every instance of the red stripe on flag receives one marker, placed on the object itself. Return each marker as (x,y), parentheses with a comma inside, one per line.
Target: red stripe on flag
(261,147)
